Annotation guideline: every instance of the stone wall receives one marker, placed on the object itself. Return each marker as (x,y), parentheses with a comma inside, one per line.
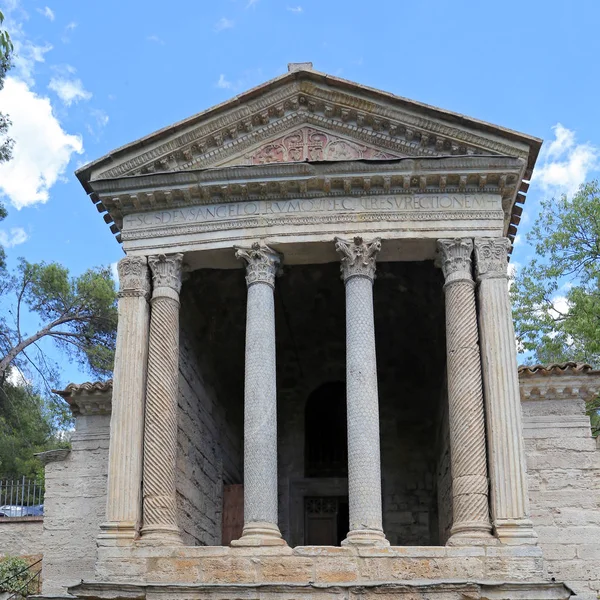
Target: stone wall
(75,505)
(21,537)
(209,445)
(563,462)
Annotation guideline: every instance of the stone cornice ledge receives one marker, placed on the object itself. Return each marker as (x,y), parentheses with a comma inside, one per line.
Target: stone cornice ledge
(566,381)
(89,398)
(53,455)
(456,588)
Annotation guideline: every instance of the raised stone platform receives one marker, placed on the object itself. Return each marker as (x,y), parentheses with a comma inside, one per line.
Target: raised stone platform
(320,565)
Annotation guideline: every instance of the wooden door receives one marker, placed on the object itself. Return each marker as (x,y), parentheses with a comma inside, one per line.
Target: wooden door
(233,513)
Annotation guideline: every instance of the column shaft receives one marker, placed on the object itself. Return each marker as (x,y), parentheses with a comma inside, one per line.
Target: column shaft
(124,494)
(510,502)
(465,397)
(260,400)
(160,433)
(364,456)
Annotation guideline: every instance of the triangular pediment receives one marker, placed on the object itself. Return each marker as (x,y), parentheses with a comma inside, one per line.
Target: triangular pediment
(308,116)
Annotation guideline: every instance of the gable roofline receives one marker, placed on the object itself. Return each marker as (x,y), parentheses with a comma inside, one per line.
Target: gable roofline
(304,73)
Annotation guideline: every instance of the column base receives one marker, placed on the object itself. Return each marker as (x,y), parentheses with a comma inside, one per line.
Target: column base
(260,534)
(118,533)
(471,533)
(161,535)
(515,532)
(365,537)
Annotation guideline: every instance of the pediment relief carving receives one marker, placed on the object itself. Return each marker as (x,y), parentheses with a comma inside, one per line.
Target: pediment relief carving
(354,127)
(309,144)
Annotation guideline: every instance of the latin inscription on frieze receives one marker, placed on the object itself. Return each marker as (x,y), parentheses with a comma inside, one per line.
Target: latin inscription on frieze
(406,203)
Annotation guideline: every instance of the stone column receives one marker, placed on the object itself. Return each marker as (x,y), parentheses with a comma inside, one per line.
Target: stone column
(471,519)
(260,400)
(510,502)
(124,495)
(160,431)
(364,456)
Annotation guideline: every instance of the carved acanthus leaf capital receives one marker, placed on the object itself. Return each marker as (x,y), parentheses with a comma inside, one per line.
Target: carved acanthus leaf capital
(166,274)
(358,257)
(263,264)
(134,277)
(491,257)
(455,259)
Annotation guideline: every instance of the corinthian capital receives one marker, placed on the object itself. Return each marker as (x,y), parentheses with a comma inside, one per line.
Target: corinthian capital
(166,275)
(455,259)
(358,257)
(262,263)
(491,257)
(133,276)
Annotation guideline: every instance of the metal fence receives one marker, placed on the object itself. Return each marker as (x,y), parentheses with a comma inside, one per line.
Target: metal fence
(21,498)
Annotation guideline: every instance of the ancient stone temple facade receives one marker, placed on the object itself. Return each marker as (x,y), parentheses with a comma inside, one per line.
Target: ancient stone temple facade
(315,389)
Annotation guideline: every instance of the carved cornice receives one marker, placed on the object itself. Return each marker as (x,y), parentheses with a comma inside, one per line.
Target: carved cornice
(166,275)
(134,279)
(262,263)
(358,258)
(51,456)
(491,257)
(455,259)
(499,175)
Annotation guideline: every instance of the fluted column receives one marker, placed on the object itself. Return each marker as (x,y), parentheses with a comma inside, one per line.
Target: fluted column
(471,520)
(160,432)
(124,494)
(510,502)
(364,469)
(260,400)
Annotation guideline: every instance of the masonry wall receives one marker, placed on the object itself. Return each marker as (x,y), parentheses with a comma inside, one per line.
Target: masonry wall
(563,462)
(444,473)
(21,536)
(75,505)
(209,444)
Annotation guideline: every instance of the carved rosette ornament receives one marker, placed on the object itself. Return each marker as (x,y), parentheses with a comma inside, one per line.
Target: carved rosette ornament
(358,257)
(263,264)
(509,494)
(260,400)
(364,456)
(465,396)
(124,498)
(160,433)
(133,277)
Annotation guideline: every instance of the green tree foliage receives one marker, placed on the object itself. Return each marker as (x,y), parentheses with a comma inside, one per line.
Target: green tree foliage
(6,49)
(556,297)
(27,426)
(16,577)
(78,313)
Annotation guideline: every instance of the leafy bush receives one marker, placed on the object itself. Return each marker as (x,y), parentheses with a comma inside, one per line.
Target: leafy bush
(14,573)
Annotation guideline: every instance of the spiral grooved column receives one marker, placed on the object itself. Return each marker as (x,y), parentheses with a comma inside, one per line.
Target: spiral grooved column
(510,501)
(260,400)
(124,494)
(160,431)
(465,397)
(364,456)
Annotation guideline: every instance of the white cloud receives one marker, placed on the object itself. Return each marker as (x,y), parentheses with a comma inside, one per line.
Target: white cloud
(115,272)
(16,236)
(224,83)
(155,39)
(42,148)
(295,9)
(70,26)
(565,164)
(251,3)
(47,12)
(25,58)
(223,23)
(69,90)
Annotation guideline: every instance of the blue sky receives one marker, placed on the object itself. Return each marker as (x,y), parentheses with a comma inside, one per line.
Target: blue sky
(90,76)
